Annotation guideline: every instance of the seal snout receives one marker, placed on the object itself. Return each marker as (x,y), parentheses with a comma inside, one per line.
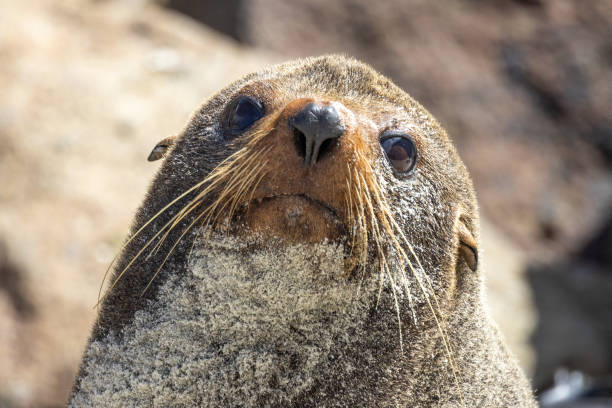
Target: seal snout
(316,127)
(306,203)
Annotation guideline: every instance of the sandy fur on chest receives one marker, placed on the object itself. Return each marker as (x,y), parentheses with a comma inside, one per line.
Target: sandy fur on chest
(242,327)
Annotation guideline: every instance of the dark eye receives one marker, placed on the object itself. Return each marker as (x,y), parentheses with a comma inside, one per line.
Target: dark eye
(400,151)
(242,113)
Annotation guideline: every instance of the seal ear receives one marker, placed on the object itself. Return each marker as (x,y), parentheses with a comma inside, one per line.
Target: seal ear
(161,148)
(468,248)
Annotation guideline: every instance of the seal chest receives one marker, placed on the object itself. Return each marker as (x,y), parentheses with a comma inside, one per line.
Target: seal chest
(271,318)
(311,239)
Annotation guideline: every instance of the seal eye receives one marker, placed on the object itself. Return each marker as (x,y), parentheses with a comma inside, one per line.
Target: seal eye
(400,151)
(243,112)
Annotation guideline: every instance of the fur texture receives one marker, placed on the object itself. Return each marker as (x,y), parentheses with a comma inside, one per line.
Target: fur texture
(243,319)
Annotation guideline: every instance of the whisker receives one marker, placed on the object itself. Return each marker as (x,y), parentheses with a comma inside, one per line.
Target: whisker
(231,178)
(242,187)
(363,230)
(445,341)
(390,225)
(176,220)
(215,177)
(397,309)
(381,203)
(254,174)
(170,204)
(383,262)
(170,253)
(237,182)
(134,258)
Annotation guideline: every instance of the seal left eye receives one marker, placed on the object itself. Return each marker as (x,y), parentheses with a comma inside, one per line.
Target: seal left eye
(243,112)
(400,151)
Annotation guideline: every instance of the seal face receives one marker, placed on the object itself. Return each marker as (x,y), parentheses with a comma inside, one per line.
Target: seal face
(311,239)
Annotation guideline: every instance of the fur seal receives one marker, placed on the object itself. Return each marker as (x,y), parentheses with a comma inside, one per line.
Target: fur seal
(311,239)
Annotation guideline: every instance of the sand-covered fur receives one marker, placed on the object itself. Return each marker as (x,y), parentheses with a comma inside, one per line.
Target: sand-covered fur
(273,317)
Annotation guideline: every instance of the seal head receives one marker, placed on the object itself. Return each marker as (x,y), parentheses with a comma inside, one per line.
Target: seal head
(311,239)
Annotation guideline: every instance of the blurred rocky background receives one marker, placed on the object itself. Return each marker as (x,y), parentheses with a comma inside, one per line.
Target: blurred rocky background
(87,87)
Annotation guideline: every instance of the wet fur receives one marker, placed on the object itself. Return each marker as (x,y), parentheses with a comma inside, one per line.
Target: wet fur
(415,332)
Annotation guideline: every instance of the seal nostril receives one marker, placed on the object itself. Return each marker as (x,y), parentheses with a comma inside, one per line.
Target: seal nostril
(300,142)
(326,147)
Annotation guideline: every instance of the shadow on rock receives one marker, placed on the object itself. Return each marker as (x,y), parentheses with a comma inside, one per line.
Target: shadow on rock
(574,305)
(13,285)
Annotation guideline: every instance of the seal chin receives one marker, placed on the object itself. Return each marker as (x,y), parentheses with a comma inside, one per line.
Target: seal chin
(296,218)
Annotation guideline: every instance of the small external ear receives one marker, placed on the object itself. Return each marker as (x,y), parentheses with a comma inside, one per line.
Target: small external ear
(160,149)
(468,248)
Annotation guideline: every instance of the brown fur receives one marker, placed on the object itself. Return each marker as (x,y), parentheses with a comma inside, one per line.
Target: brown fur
(410,250)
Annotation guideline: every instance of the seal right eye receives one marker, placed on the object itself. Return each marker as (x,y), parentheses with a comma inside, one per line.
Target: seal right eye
(401,152)
(242,113)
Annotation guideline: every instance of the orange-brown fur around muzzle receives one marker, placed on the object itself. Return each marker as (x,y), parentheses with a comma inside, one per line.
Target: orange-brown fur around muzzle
(304,203)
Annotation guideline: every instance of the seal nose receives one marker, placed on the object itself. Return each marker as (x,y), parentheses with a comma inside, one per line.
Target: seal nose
(316,127)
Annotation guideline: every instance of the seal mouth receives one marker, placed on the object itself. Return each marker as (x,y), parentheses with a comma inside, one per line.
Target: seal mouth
(321,204)
(294,217)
